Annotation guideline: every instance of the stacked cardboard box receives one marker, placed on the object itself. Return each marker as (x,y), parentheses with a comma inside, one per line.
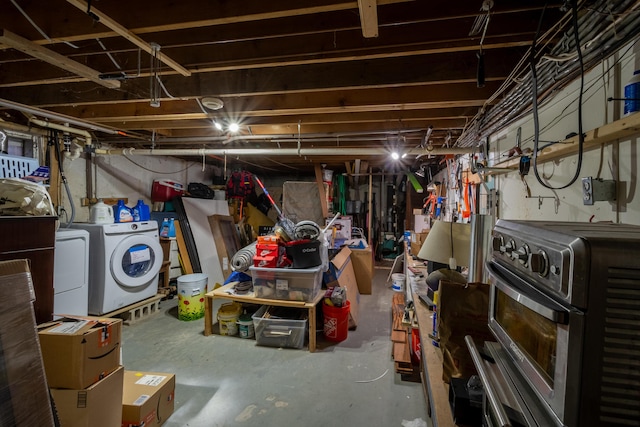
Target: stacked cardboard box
(24,399)
(341,273)
(148,398)
(82,363)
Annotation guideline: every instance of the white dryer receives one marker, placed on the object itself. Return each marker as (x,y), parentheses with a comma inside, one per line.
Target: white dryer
(124,261)
(71,272)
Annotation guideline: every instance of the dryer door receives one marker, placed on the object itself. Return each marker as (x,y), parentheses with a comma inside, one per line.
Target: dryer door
(136,261)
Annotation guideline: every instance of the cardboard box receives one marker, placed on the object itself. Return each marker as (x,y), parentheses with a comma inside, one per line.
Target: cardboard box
(148,398)
(342,226)
(100,404)
(24,397)
(363,267)
(421,223)
(417,240)
(79,351)
(341,273)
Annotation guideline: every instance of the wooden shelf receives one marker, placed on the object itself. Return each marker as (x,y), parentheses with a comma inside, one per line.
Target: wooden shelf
(623,128)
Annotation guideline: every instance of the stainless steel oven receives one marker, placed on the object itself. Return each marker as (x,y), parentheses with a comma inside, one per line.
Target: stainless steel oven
(565,312)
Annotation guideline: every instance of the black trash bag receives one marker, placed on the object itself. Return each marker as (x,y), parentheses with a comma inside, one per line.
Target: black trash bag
(200,191)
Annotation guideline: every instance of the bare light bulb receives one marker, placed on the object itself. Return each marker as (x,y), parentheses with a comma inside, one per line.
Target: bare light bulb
(395,156)
(234,127)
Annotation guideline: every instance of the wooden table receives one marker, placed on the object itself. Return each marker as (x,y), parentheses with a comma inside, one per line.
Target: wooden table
(250,298)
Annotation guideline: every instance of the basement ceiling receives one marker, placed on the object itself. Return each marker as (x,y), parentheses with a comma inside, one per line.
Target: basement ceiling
(296,75)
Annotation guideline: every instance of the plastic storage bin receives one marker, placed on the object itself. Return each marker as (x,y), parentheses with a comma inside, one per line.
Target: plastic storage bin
(278,331)
(286,283)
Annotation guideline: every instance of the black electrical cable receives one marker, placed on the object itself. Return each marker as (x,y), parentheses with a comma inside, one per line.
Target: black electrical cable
(536,121)
(53,135)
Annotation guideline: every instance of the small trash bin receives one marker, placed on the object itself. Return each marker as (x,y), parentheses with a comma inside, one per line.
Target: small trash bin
(191,290)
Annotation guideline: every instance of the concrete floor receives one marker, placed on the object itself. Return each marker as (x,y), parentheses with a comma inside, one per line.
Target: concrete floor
(229,381)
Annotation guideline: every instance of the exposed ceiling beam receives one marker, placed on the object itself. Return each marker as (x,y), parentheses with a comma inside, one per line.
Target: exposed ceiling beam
(122,31)
(53,58)
(368,18)
(233,18)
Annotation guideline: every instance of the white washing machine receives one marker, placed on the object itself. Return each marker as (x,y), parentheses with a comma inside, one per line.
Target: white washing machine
(124,261)
(71,272)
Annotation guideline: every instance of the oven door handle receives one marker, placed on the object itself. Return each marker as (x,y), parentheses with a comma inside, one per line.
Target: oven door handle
(557,316)
(492,397)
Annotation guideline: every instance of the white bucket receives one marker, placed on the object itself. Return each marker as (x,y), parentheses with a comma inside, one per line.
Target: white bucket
(191,290)
(398,282)
(228,315)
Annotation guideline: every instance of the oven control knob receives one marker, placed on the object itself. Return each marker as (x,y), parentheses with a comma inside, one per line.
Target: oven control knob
(539,263)
(498,243)
(522,255)
(508,248)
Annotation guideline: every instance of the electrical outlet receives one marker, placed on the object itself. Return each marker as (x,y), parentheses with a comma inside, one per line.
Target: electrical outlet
(596,190)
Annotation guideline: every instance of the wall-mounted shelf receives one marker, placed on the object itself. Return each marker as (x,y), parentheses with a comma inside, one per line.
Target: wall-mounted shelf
(623,128)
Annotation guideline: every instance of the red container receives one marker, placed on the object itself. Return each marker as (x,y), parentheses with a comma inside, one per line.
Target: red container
(164,190)
(336,322)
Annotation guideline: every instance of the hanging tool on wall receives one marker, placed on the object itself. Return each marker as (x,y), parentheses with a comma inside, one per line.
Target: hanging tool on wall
(429,204)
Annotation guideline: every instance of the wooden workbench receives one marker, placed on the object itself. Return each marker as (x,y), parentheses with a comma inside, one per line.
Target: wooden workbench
(436,390)
(250,298)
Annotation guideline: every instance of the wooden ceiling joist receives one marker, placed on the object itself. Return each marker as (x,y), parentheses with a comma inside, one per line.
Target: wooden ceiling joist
(136,40)
(23,45)
(368,18)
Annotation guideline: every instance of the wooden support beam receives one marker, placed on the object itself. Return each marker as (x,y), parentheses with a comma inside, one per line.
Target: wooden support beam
(124,32)
(42,53)
(368,18)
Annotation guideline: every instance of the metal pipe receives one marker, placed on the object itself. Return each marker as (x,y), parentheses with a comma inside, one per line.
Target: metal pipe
(481,226)
(56,116)
(329,151)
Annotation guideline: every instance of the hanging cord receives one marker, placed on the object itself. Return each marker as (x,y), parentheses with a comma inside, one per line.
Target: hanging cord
(536,121)
(53,139)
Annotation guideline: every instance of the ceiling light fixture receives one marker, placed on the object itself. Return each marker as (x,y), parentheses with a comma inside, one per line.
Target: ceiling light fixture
(212,103)
(234,127)
(395,155)
(217,125)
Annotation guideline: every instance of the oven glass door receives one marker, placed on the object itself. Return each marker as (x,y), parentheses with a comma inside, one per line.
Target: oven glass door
(533,333)
(533,329)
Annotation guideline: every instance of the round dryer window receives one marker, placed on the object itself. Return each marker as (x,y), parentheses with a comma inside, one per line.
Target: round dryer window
(136,261)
